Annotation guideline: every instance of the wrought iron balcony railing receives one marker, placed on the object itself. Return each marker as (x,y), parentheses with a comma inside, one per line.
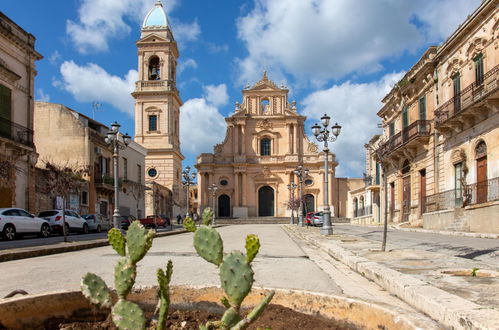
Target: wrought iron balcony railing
(418,128)
(16,132)
(468,96)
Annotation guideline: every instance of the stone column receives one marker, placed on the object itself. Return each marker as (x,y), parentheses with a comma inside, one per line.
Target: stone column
(290,138)
(244,186)
(236,189)
(243,140)
(235,140)
(296,139)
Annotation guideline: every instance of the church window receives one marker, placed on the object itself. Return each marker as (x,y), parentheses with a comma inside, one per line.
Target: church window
(152,172)
(224,182)
(265,106)
(153,123)
(265,147)
(309,182)
(154,71)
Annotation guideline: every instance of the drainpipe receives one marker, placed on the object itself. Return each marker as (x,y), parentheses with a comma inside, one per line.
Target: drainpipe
(436,181)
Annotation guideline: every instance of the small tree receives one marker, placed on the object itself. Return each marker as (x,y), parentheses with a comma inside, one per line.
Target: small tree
(61,181)
(293,204)
(136,190)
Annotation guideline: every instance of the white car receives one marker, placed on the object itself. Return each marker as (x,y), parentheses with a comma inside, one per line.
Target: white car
(73,221)
(97,222)
(15,221)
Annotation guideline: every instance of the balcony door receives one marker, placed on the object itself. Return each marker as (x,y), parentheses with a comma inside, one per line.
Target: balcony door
(457,92)
(422,191)
(406,198)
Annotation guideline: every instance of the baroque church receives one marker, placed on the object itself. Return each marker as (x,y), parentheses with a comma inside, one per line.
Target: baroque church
(264,143)
(157,111)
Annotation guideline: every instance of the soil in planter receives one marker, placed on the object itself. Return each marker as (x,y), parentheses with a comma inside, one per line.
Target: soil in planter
(274,317)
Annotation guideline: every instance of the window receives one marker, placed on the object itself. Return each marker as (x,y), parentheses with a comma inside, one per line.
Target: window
(377,172)
(309,182)
(422,108)
(458,188)
(154,72)
(153,123)
(265,147)
(265,106)
(457,92)
(391,129)
(405,116)
(5,103)
(139,174)
(479,69)
(84,197)
(152,172)
(125,168)
(224,182)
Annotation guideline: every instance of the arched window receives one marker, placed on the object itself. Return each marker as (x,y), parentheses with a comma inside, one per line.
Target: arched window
(154,71)
(265,147)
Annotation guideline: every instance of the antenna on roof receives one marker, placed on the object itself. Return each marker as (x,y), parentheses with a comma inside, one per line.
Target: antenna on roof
(95,108)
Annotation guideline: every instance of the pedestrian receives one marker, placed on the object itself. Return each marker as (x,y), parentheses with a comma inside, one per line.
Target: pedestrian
(179,219)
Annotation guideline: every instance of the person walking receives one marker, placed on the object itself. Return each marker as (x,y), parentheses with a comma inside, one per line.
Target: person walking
(179,219)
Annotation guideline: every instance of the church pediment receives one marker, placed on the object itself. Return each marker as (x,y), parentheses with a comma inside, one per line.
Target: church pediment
(153,37)
(265,175)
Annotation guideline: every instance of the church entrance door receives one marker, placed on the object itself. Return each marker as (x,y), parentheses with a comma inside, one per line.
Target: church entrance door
(224,206)
(266,202)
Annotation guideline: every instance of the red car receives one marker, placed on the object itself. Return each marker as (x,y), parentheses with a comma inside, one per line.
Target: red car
(153,222)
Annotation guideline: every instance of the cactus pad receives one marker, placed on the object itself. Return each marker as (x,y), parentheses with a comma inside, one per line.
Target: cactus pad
(230,318)
(164,279)
(139,241)
(236,276)
(252,247)
(124,277)
(209,245)
(207,216)
(95,289)
(127,315)
(189,224)
(117,241)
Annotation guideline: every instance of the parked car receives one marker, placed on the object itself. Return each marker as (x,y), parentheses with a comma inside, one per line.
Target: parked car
(15,222)
(152,221)
(167,220)
(317,219)
(74,223)
(309,218)
(126,220)
(97,222)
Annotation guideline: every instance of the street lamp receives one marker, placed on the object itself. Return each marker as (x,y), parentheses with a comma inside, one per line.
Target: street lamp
(213,190)
(113,139)
(292,186)
(322,134)
(301,172)
(188,179)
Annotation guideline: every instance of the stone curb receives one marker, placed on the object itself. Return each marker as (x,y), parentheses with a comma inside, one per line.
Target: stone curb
(38,251)
(448,309)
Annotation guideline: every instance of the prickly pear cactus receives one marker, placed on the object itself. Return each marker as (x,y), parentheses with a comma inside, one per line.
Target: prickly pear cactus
(127,315)
(139,241)
(252,247)
(189,224)
(236,276)
(95,289)
(164,293)
(207,216)
(209,245)
(117,241)
(124,277)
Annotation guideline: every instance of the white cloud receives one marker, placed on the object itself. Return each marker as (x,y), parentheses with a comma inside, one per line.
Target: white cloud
(41,96)
(101,20)
(187,64)
(201,126)
(323,39)
(185,32)
(354,107)
(216,95)
(54,58)
(92,83)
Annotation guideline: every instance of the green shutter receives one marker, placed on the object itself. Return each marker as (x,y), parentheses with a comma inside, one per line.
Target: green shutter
(5,102)
(422,108)
(392,129)
(405,117)
(479,69)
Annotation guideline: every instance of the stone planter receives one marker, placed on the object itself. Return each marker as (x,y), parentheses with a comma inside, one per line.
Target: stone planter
(29,312)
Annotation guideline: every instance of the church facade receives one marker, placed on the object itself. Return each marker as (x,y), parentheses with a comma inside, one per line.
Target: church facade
(157,108)
(264,143)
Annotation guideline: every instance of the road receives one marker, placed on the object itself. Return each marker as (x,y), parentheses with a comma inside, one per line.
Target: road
(481,249)
(33,240)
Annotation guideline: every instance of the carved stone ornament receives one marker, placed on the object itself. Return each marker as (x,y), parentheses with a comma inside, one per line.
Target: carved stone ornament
(266,171)
(312,147)
(264,124)
(218,148)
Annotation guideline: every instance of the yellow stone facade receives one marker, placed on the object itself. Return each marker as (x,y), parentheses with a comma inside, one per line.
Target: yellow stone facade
(264,143)
(157,106)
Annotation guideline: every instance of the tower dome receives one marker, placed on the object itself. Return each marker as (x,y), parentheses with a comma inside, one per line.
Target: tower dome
(156,17)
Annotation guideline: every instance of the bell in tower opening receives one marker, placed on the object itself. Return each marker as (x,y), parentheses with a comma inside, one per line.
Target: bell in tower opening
(154,72)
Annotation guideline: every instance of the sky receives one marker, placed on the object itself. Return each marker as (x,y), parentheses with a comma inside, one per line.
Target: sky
(339,57)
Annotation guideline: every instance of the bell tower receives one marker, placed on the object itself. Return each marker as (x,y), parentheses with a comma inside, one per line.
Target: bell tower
(157,101)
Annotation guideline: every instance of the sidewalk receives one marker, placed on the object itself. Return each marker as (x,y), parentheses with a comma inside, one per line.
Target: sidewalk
(422,279)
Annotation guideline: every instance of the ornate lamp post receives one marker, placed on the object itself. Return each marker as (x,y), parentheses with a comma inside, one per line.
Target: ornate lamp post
(213,190)
(187,179)
(113,138)
(322,134)
(301,172)
(292,186)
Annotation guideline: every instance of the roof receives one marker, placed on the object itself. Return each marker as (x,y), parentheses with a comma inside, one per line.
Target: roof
(156,17)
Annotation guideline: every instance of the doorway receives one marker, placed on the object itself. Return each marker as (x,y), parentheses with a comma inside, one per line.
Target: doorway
(266,202)
(481,180)
(422,191)
(309,201)
(406,198)
(224,206)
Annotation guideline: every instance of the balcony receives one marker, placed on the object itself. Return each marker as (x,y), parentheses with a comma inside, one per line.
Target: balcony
(468,107)
(104,183)
(16,133)
(154,86)
(408,139)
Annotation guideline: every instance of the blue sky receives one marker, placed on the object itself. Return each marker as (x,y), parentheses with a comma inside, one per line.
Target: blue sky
(335,56)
